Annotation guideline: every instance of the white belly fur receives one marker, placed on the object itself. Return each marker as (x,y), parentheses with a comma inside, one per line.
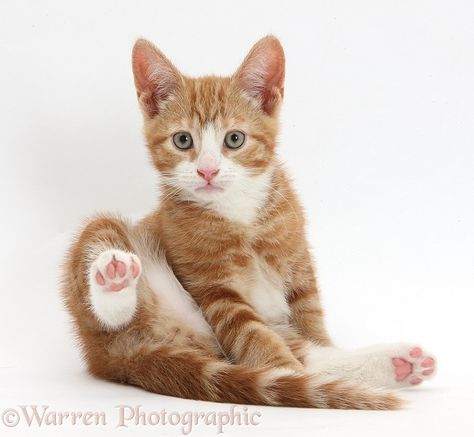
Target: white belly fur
(173,298)
(266,293)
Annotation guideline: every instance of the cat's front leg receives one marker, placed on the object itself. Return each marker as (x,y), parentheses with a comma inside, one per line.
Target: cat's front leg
(242,334)
(304,302)
(391,366)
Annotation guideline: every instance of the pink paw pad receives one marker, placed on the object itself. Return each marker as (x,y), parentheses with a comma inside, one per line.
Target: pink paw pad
(135,269)
(427,362)
(402,368)
(414,367)
(115,269)
(121,269)
(100,278)
(416,352)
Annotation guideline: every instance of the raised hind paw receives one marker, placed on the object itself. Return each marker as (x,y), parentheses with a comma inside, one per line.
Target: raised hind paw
(115,270)
(413,367)
(112,282)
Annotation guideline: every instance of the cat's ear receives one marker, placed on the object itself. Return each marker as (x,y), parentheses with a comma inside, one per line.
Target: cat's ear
(156,78)
(262,73)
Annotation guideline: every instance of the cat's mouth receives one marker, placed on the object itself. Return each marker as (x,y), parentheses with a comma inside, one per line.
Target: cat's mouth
(210,188)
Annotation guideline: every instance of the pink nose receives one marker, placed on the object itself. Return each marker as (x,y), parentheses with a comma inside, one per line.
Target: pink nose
(208,173)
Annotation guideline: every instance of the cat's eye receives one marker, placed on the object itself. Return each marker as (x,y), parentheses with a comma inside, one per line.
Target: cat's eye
(183,140)
(234,139)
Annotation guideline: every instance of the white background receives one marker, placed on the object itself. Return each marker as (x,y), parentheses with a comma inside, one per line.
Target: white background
(377,131)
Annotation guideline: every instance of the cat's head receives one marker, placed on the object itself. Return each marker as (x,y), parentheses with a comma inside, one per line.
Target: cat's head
(212,138)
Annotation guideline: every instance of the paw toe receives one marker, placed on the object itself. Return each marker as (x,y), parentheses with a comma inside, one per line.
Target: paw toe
(100,278)
(428,362)
(121,268)
(416,352)
(135,269)
(110,269)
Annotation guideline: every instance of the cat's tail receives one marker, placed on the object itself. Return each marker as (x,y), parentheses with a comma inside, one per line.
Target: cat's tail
(188,374)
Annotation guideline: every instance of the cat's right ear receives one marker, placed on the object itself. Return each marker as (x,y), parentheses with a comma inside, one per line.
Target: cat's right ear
(156,78)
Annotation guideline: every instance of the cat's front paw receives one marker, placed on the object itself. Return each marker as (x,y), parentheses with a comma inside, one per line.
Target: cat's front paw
(413,366)
(112,282)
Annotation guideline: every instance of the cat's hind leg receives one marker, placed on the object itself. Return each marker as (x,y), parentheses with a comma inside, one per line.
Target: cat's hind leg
(113,279)
(101,273)
(394,365)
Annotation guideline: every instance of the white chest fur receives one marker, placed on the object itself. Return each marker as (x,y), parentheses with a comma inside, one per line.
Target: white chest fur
(267,294)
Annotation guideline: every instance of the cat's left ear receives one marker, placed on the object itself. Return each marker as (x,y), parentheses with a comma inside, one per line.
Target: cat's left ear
(261,76)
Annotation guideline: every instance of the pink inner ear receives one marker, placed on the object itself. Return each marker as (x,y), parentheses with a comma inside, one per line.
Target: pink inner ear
(262,73)
(155,76)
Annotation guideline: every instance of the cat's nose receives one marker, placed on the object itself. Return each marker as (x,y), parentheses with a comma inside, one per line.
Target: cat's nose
(208,173)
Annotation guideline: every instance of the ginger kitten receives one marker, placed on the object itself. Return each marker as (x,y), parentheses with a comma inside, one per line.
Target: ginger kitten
(213,295)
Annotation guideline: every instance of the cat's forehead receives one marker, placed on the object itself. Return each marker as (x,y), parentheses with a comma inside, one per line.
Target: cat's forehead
(211,100)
